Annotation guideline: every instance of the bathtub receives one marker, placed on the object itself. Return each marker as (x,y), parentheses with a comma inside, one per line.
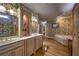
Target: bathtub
(63,39)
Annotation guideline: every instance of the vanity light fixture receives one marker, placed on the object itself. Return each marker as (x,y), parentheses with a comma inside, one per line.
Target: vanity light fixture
(2,9)
(11,11)
(34,19)
(4,16)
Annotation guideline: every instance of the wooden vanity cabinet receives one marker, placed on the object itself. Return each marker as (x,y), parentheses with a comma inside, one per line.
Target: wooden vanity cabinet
(16,52)
(19,51)
(25,47)
(39,42)
(14,49)
(29,46)
(33,44)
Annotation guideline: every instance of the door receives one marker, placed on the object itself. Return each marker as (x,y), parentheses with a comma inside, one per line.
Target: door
(76,31)
(19,51)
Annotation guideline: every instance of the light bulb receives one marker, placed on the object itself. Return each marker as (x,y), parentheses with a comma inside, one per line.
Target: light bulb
(2,9)
(11,11)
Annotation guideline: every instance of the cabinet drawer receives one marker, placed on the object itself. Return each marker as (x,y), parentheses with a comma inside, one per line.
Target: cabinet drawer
(19,51)
(11,46)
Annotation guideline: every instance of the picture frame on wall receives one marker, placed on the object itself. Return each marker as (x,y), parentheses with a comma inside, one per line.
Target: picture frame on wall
(25,21)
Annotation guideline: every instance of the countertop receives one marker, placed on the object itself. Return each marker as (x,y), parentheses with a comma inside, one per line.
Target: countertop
(12,40)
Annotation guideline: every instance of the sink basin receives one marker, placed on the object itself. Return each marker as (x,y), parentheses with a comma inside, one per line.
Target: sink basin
(7,39)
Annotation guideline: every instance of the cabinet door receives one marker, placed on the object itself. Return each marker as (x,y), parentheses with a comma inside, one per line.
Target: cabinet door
(33,44)
(39,42)
(29,46)
(19,51)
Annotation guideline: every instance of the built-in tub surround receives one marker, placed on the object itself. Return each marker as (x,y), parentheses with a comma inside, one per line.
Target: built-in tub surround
(64,31)
(63,39)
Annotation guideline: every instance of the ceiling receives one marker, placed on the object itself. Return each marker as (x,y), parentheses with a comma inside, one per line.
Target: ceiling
(50,10)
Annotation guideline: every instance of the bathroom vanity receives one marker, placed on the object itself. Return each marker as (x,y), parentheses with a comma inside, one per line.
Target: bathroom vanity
(24,46)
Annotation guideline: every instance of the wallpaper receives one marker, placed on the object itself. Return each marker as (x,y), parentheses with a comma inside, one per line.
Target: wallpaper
(8,20)
(65,25)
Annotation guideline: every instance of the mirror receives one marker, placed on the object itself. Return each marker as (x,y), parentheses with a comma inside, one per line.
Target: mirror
(35,25)
(8,20)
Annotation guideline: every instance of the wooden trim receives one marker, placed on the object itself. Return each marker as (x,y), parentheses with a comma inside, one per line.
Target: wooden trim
(73,25)
(74,6)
